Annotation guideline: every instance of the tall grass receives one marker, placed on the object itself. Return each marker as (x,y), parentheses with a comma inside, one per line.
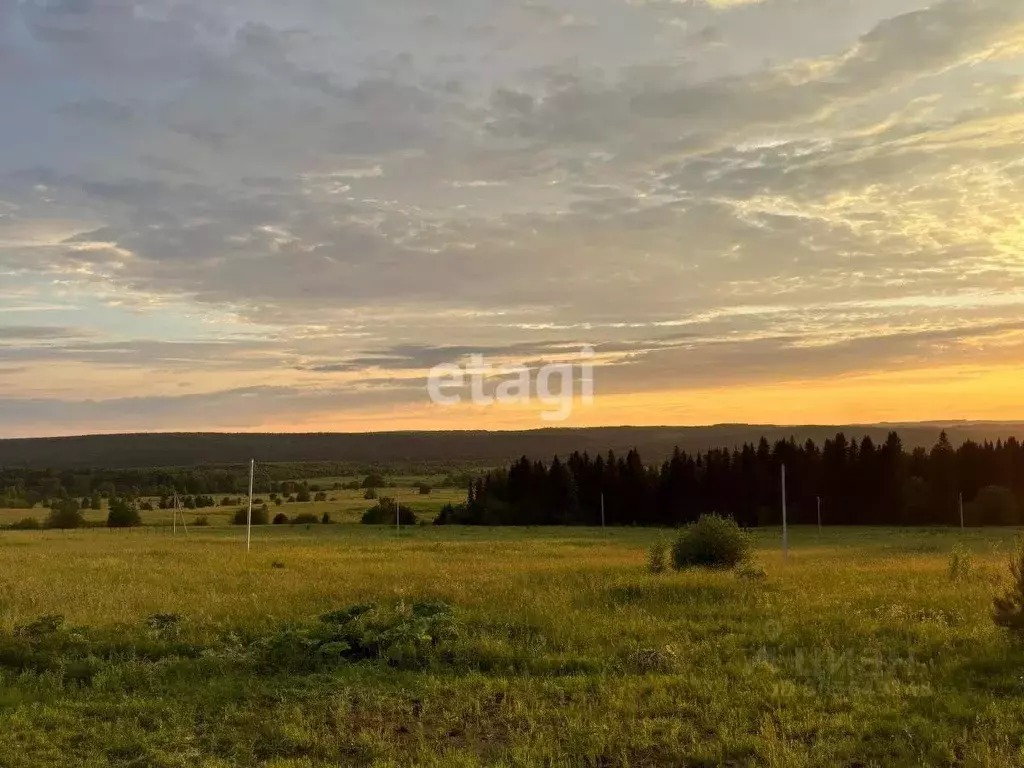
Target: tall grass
(563,650)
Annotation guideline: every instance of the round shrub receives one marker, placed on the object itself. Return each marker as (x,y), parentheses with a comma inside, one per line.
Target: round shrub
(385,513)
(65,514)
(260,516)
(711,542)
(123,514)
(280,519)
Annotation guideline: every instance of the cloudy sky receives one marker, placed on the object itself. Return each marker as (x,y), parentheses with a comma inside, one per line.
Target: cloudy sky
(255,214)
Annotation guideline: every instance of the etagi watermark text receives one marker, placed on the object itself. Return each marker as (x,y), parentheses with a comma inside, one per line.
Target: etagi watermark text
(554,385)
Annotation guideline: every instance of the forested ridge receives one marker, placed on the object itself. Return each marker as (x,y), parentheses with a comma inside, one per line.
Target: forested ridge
(858,482)
(476,448)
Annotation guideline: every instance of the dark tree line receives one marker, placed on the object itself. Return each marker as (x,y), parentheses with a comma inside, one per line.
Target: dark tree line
(23,484)
(25,488)
(857,482)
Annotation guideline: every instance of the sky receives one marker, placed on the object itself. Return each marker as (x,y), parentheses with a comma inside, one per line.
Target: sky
(256,215)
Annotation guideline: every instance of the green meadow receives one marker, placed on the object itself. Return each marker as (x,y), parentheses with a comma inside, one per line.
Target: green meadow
(342,507)
(502,647)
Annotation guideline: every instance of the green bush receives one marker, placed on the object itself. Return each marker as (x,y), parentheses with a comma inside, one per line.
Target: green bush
(281,519)
(260,516)
(371,493)
(326,519)
(64,514)
(425,489)
(26,524)
(385,512)
(711,542)
(201,521)
(123,514)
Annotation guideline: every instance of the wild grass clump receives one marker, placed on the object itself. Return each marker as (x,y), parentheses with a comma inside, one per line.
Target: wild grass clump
(1008,609)
(752,572)
(960,564)
(164,625)
(77,654)
(406,637)
(712,542)
(643,661)
(656,557)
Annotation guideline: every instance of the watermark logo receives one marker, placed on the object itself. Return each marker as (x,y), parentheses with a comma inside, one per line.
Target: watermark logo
(556,386)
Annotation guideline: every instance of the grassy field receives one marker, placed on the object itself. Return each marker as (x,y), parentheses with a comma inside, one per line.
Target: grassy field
(560,649)
(347,507)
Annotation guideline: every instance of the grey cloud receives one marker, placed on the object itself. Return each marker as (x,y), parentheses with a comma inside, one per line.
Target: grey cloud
(231,354)
(785,358)
(228,409)
(40,333)
(896,52)
(97,109)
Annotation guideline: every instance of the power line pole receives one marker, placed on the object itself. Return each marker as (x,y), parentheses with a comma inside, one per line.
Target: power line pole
(248,521)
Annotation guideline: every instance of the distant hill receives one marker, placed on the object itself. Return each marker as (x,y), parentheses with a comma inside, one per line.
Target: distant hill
(470,448)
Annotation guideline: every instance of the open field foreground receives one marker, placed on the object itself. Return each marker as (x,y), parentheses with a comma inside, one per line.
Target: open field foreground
(501,647)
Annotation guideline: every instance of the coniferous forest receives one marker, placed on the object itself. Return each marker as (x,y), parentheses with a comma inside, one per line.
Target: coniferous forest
(857,483)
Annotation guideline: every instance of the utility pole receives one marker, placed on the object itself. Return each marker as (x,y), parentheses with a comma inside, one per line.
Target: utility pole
(248,521)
